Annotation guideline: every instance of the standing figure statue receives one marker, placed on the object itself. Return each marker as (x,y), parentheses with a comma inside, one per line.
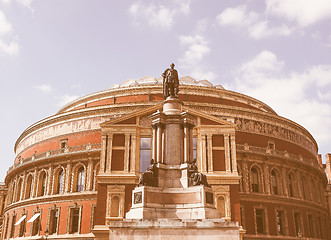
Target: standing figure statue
(149,178)
(196,177)
(170,82)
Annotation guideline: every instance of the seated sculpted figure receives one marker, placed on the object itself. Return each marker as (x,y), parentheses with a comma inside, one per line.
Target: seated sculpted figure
(196,177)
(149,178)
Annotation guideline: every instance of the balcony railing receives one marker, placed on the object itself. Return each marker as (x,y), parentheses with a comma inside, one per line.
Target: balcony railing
(57,152)
(276,153)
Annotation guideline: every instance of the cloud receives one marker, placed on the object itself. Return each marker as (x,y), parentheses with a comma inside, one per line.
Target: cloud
(158,16)
(304,12)
(251,23)
(197,48)
(26,3)
(5,26)
(65,99)
(12,47)
(45,88)
(300,96)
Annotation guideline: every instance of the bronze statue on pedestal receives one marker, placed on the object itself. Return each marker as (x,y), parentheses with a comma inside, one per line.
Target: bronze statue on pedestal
(170,82)
(196,177)
(149,178)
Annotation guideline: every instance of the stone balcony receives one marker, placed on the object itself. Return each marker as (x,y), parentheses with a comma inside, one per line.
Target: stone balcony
(279,154)
(55,153)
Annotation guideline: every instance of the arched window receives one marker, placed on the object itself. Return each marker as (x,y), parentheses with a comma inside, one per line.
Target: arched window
(115,206)
(19,190)
(255,180)
(274,182)
(59,182)
(28,187)
(80,179)
(291,185)
(221,205)
(42,184)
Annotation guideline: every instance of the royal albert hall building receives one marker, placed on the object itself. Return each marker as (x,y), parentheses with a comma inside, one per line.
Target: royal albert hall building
(76,169)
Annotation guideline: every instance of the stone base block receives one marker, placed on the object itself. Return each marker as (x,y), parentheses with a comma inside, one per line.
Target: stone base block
(174,229)
(171,213)
(174,203)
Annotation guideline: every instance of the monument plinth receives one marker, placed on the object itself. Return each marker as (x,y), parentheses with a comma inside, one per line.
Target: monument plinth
(173,199)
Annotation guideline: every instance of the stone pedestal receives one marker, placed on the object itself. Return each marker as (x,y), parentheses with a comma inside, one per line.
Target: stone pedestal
(173,203)
(174,230)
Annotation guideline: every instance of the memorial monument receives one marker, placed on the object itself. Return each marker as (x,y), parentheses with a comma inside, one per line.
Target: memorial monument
(172,199)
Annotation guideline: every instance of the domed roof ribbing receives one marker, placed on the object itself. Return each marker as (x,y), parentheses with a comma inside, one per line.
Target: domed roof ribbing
(148,80)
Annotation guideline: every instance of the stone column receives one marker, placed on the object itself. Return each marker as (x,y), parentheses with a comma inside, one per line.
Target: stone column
(68,178)
(109,151)
(191,144)
(154,154)
(245,175)
(103,153)
(126,153)
(284,177)
(49,180)
(298,177)
(133,153)
(204,153)
(159,143)
(233,153)
(210,153)
(227,153)
(89,179)
(34,183)
(186,144)
(173,142)
(23,186)
(266,179)
(163,147)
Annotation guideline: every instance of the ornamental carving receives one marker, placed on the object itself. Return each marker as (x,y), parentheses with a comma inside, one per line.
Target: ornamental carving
(251,126)
(145,121)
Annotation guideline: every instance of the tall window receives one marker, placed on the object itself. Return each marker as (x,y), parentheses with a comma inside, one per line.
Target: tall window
(42,184)
(28,187)
(22,228)
(291,185)
(218,153)
(80,179)
(297,223)
(19,190)
(221,205)
(59,182)
(74,220)
(145,153)
(36,226)
(260,220)
(35,221)
(53,221)
(274,182)
(280,222)
(12,229)
(255,179)
(6,227)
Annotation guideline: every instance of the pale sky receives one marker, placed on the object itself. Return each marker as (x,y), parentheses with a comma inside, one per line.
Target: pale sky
(51,52)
